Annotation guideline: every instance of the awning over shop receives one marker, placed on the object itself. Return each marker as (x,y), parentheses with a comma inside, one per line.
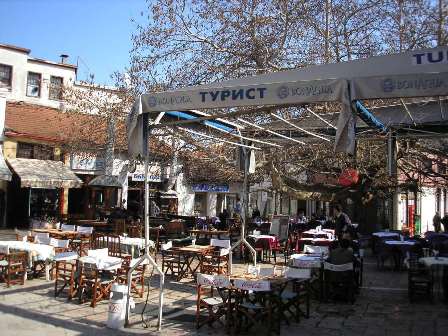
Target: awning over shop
(5,173)
(44,174)
(105,181)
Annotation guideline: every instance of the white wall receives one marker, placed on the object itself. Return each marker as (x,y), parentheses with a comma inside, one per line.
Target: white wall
(21,63)
(428,203)
(211,204)
(185,197)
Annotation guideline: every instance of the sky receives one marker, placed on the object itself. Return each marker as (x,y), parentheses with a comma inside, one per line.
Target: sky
(96,34)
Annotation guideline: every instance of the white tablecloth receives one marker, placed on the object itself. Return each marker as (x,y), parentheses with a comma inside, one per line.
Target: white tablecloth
(36,251)
(319,233)
(384,234)
(256,237)
(137,242)
(103,263)
(305,261)
(430,261)
(399,242)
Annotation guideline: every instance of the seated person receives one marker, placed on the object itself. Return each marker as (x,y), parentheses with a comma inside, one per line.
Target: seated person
(342,254)
(313,223)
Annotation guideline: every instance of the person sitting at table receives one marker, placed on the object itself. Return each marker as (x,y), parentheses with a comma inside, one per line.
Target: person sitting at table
(223,216)
(342,254)
(313,223)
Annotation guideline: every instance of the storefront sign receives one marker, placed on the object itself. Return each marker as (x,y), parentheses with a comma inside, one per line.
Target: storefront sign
(86,162)
(205,187)
(154,174)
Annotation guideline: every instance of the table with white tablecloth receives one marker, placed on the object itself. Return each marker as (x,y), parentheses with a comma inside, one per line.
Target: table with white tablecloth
(36,252)
(305,260)
(103,263)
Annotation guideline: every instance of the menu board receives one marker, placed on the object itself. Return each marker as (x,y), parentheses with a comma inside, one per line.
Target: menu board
(280,226)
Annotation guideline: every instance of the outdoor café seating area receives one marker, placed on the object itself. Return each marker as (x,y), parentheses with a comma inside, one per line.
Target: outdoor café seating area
(294,269)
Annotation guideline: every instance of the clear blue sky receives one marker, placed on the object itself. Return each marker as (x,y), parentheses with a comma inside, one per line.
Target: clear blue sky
(97,31)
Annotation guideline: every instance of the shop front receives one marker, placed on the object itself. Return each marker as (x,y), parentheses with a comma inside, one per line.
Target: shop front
(210,199)
(38,191)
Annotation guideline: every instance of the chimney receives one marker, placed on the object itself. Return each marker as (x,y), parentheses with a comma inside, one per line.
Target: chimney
(63,58)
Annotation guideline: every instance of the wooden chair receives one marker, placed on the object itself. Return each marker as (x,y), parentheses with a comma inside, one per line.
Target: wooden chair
(65,271)
(292,300)
(216,306)
(23,235)
(93,283)
(250,311)
(339,281)
(135,231)
(173,263)
(13,267)
(84,242)
(68,227)
(137,278)
(119,226)
(114,246)
(217,262)
(420,281)
(99,241)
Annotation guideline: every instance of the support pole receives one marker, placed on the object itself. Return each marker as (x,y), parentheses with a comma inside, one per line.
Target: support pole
(392,172)
(243,240)
(146,256)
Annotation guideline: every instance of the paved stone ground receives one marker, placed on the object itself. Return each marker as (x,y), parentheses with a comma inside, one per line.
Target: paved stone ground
(382,308)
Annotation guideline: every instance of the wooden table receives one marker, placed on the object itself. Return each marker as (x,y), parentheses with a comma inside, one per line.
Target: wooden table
(190,253)
(55,233)
(93,223)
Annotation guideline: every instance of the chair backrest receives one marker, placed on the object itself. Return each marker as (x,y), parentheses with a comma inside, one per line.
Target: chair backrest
(17,258)
(166,246)
(266,271)
(89,270)
(22,235)
(60,243)
(99,253)
(252,285)
(45,241)
(338,268)
(85,229)
(297,273)
(315,249)
(4,249)
(99,241)
(40,235)
(114,245)
(219,281)
(67,227)
(224,243)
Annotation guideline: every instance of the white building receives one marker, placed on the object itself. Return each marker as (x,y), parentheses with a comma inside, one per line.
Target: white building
(33,80)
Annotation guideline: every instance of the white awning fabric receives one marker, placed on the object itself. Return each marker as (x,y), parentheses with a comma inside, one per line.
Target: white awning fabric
(410,74)
(44,174)
(5,173)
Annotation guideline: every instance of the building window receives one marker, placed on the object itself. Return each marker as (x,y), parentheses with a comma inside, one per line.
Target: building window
(33,85)
(55,91)
(34,151)
(5,75)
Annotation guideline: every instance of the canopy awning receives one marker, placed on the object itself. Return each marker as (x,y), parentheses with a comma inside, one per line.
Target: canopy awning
(44,174)
(105,181)
(5,173)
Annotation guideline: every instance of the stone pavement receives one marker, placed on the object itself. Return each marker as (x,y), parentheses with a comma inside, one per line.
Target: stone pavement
(382,308)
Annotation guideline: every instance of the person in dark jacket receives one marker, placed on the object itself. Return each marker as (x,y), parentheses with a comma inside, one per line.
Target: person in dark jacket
(342,222)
